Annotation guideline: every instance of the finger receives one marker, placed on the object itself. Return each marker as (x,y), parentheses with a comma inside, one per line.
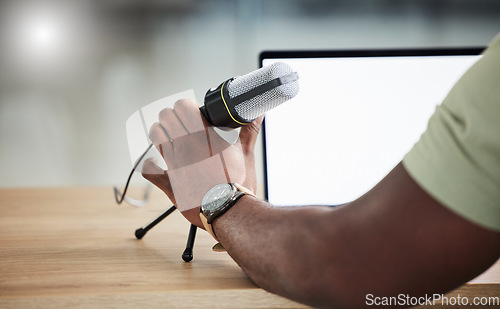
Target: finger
(249,133)
(158,135)
(162,141)
(157,176)
(171,123)
(189,114)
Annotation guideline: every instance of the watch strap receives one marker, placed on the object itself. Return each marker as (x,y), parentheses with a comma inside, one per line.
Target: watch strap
(218,247)
(243,189)
(208,227)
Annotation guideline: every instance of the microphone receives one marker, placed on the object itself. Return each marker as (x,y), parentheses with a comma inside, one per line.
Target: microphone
(240,100)
(237,102)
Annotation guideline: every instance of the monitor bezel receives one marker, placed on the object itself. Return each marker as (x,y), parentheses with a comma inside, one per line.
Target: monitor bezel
(354,53)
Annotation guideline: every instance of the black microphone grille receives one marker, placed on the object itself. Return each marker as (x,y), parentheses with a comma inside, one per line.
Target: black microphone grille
(264,100)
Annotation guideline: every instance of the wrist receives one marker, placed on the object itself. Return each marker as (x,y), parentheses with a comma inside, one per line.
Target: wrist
(225,223)
(218,200)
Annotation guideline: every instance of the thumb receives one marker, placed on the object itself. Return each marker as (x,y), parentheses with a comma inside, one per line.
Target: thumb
(159,177)
(249,133)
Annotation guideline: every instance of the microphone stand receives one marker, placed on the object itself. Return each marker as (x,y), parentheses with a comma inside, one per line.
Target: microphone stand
(220,114)
(187,255)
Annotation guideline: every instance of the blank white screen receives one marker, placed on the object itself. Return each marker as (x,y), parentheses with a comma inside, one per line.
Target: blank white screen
(353,120)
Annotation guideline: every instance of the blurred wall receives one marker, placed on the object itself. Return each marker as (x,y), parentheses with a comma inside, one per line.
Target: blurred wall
(71,72)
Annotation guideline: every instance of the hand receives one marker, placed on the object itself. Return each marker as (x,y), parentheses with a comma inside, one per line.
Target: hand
(197,157)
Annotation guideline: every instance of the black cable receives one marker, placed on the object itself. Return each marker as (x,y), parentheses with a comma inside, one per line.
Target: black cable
(117,192)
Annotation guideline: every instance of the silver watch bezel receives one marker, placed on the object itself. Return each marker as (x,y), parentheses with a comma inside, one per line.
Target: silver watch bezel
(211,212)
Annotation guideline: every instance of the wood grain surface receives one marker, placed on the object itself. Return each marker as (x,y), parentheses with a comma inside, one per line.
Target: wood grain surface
(75,248)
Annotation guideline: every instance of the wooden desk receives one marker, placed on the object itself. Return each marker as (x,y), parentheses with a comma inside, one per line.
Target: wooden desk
(75,248)
(71,248)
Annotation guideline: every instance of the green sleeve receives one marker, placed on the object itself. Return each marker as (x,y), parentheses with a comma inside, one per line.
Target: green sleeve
(457,159)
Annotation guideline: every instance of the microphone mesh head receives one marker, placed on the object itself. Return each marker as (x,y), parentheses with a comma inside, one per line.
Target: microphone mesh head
(258,105)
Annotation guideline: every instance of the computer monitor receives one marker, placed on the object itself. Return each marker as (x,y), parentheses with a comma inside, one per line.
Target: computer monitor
(357,114)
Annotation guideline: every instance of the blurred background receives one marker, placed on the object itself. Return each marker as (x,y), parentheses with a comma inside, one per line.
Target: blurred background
(72,72)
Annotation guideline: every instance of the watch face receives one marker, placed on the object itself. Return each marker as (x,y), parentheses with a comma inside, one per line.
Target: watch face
(216,197)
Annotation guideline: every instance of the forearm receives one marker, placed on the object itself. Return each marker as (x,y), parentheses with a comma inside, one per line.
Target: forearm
(276,246)
(395,239)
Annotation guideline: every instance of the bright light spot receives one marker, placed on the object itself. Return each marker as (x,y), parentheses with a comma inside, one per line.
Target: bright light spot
(43,34)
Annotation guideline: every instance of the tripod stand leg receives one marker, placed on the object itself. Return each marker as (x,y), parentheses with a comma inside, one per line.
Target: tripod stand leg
(139,233)
(187,256)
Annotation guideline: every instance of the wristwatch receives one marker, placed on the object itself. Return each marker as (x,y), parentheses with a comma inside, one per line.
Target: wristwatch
(218,200)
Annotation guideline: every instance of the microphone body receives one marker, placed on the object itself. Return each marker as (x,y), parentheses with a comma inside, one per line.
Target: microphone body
(240,100)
